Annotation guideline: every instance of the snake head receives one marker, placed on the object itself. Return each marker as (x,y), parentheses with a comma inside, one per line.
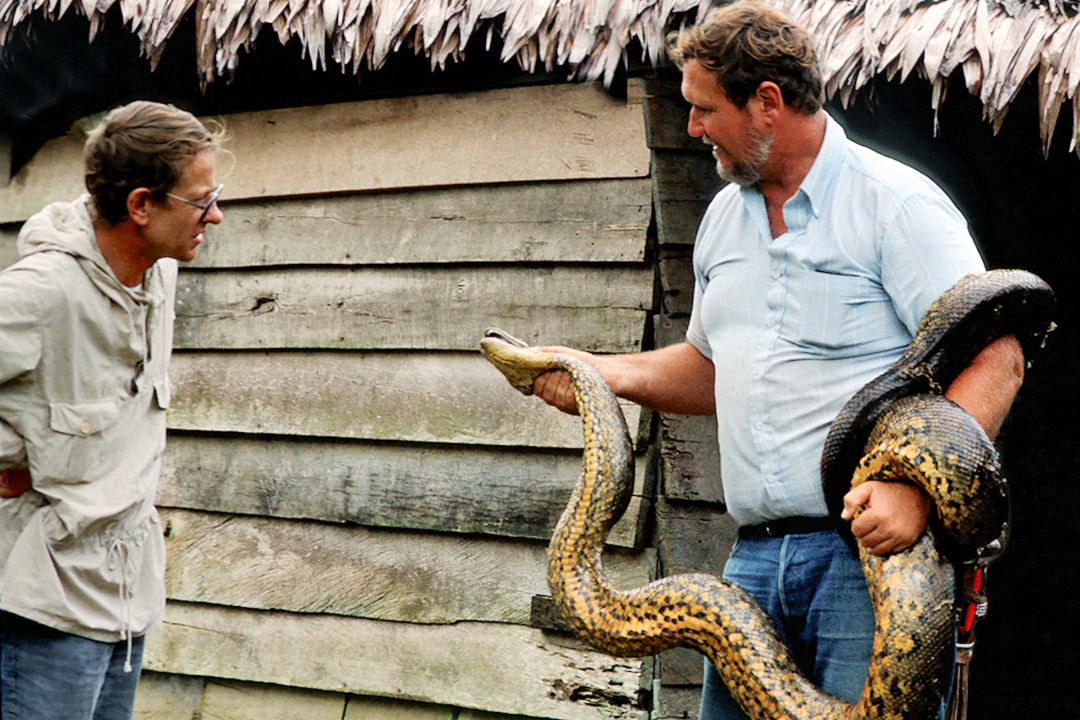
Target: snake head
(494,334)
(520,363)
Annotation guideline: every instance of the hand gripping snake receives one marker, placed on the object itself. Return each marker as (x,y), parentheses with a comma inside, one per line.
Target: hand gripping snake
(897,427)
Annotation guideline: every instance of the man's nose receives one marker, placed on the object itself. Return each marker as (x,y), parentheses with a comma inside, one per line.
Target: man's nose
(215,215)
(694,126)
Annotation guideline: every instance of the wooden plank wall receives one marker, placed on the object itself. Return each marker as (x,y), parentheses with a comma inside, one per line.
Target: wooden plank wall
(356,502)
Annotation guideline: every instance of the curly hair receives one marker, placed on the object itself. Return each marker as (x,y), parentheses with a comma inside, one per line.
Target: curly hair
(142,144)
(748,43)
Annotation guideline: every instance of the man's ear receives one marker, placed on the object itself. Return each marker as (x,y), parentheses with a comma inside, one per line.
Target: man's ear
(138,202)
(769,101)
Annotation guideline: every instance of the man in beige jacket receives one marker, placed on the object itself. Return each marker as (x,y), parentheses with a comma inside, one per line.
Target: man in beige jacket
(86,319)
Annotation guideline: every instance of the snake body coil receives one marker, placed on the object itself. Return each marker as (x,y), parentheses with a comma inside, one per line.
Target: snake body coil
(918,437)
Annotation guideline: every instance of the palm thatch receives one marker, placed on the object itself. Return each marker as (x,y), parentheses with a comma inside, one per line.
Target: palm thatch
(995,44)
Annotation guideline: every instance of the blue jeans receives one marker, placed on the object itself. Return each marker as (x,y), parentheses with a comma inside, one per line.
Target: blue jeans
(813,588)
(46,674)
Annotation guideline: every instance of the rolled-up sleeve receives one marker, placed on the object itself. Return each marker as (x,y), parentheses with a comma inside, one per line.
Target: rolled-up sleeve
(695,333)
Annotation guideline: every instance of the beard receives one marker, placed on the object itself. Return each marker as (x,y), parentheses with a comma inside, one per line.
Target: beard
(747,171)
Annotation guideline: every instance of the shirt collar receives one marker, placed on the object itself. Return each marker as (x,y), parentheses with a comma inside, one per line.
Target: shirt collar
(816,183)
(813,189)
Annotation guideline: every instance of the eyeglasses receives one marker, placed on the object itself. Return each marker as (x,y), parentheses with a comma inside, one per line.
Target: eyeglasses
(204,206)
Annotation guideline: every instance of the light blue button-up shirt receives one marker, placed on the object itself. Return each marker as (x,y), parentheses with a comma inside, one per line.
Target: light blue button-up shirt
(796,324)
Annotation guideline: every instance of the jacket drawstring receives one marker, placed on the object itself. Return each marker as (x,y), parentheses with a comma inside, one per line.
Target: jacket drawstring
(120,551)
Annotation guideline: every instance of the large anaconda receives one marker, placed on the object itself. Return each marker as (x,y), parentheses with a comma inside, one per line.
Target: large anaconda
(913,435)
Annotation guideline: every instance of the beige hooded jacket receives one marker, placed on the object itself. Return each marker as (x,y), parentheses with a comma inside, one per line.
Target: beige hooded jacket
(84,383)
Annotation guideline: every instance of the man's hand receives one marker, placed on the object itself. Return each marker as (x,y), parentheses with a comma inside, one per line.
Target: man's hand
(886,517)
(556,388)
(14,482)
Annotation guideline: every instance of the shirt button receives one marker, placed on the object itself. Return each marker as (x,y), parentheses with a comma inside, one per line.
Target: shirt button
(85,428)
(760,425)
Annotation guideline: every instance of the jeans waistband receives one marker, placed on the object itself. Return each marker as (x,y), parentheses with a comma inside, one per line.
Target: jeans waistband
(788,526)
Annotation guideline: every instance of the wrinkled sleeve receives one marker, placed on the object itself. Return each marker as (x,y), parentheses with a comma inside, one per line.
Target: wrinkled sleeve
(695,333)
(926,247)
(22,292)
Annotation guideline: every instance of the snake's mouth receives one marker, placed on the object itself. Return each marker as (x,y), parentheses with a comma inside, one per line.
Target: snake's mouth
(497,334)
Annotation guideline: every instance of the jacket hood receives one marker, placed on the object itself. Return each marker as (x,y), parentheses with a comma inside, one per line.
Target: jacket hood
(68,227)
(64,226)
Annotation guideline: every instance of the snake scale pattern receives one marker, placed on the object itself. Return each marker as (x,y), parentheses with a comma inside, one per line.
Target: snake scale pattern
(898,426)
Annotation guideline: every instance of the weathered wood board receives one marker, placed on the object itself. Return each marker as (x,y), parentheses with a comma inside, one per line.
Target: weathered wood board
(274,564)
(690,459)
(675,702)
(418,397)
(681,667)
(693,538)
(181,697)
(685,183)
(595,221)
(558,132)
(245,701)
(168,697)
(362,708)
(423,308)
(667,113)
(493,491)
(486,666)
(676,272)
(689,453)
(577,221)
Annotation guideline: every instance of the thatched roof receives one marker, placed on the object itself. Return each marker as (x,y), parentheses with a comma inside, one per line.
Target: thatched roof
(995,44)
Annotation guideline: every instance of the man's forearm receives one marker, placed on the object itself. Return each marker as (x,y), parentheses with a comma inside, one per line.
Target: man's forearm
(673,379)
(987,387)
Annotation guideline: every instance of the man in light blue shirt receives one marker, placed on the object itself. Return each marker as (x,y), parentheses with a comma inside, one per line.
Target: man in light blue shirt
(815,312)
(812,271)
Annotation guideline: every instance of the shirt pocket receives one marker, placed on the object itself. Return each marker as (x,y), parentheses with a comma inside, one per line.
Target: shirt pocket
(824,311)
(74,449)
